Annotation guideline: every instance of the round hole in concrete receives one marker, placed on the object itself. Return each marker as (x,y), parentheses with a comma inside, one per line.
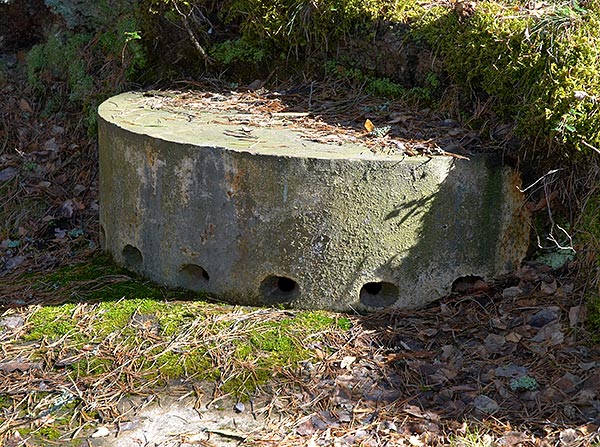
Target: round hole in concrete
(193,276)
(132,257)
(378,294)
(279,289)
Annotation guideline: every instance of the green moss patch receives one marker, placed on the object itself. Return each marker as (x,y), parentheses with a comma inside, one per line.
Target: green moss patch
(140,331)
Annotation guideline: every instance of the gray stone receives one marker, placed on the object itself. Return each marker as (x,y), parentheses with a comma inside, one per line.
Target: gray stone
(263,216)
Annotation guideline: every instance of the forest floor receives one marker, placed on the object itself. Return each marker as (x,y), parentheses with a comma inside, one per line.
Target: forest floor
(507,362)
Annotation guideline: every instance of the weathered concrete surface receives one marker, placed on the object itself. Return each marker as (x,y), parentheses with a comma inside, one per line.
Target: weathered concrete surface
(262,216)
(177,422)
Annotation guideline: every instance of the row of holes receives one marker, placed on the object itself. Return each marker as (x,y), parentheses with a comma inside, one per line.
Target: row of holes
(274,289)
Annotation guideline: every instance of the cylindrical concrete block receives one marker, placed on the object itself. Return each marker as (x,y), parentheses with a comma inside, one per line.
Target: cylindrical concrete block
(265,217)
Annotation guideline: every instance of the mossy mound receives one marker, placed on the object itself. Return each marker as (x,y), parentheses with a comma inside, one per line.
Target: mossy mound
(536,66)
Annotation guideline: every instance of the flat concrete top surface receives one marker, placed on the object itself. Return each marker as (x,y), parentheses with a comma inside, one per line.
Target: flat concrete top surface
(170,117)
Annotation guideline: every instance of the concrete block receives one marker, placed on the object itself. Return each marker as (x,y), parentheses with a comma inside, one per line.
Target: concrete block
(266,217)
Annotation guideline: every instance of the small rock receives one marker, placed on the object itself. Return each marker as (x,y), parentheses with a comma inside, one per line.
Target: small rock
(485,404)
(239,407)
(128,425)
(511,292)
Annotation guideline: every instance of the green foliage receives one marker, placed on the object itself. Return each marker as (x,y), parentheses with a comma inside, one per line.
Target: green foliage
(82,69)
(113,316)
(143,295)
(524,383)
(299,26)
(238,50)
(126,42)
(49,433)
(473,436)
(169,365)
(541,69)
(59,58)
(51,322)
(167,338)
(377,86)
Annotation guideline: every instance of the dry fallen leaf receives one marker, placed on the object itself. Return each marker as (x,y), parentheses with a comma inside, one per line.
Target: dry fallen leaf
(577,314)
(369,125)
(24,106)
(347,361)
(101,432)
(415,441)
(513,337)
(16,365)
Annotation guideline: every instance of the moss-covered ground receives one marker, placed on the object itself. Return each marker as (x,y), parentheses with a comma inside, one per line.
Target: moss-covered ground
(125,331)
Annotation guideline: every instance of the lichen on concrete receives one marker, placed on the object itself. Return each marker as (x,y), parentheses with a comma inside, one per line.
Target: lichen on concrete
(279,220)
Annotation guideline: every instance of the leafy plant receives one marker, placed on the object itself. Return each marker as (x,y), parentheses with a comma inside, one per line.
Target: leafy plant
(524,383)
(238,50)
